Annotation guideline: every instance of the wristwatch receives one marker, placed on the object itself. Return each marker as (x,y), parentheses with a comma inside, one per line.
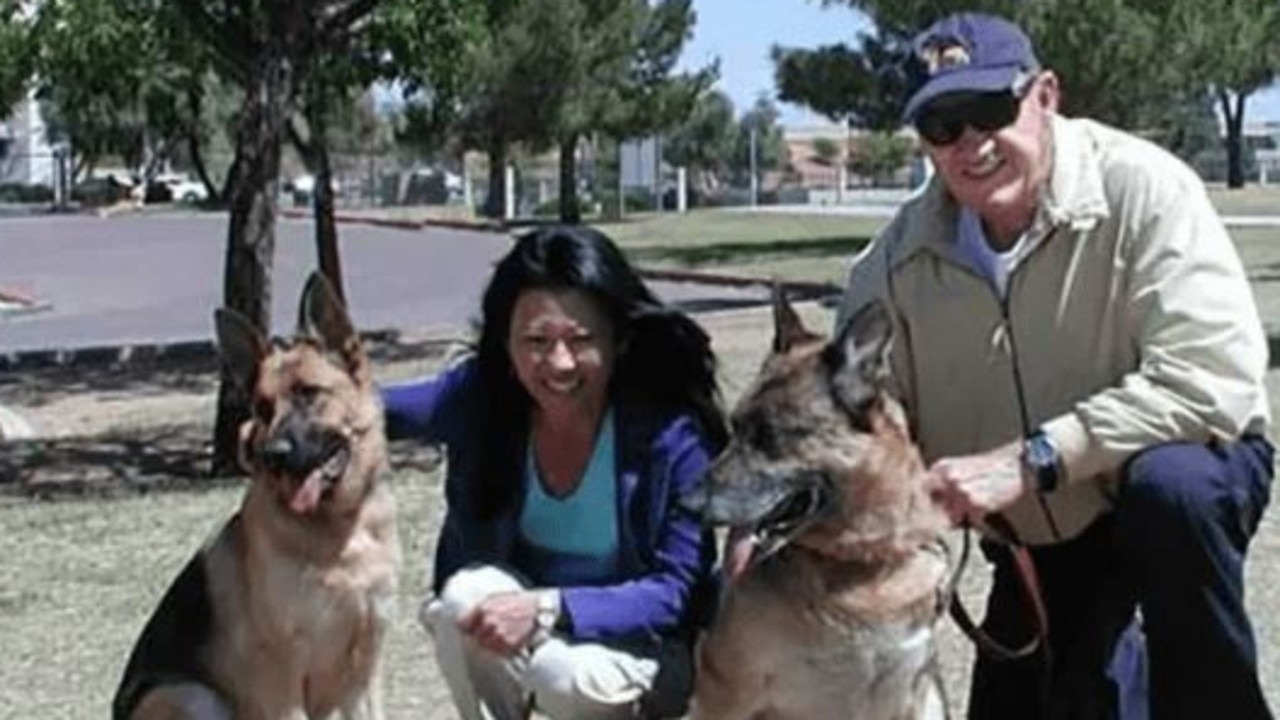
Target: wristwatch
(548,616)
(1042,460)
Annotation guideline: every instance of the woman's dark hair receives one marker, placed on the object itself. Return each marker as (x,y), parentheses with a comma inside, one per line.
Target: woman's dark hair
(664,359)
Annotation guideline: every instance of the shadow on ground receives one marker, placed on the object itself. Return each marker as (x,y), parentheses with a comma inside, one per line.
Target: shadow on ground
(193,372)
(155,456)
(167,458)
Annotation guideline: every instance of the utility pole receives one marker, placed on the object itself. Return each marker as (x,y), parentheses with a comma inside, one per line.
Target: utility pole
(755,179)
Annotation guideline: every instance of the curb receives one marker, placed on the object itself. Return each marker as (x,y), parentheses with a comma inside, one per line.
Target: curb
(478,225)
(107,355)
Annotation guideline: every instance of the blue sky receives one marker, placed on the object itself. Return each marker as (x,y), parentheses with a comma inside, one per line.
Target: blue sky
(741,32)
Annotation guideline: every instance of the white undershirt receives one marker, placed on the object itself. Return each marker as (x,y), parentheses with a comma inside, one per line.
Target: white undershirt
(992,264)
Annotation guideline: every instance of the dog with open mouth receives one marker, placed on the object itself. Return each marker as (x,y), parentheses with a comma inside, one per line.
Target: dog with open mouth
(833,601)
(283,613)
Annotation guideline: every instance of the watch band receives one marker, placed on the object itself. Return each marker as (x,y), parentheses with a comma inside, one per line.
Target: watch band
(548,616)
(1041,457)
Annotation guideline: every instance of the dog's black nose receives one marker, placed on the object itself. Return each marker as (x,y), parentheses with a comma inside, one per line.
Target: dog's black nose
(276,453)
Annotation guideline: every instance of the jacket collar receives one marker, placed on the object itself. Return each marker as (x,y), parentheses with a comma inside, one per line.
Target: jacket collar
(1075,196)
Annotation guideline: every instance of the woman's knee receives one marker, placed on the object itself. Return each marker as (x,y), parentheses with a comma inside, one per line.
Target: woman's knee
(467,587)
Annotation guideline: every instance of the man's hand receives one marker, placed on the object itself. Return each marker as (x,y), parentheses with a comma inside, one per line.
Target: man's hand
(503,622)
(972,486)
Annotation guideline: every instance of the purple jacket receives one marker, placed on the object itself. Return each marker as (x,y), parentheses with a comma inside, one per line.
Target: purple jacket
(665,552)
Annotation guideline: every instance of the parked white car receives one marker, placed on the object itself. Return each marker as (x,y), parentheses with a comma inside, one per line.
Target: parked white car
(182,188)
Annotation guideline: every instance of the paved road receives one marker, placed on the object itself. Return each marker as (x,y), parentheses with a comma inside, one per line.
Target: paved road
(155,279)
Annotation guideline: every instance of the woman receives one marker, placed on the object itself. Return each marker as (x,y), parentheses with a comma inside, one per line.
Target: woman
(567,574)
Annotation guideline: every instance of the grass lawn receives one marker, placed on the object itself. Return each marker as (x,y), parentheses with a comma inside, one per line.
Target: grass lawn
(817,248)
(81,577)
(1248,200)
(814,248)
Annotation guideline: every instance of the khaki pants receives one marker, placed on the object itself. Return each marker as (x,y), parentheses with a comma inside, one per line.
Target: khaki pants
(562,679)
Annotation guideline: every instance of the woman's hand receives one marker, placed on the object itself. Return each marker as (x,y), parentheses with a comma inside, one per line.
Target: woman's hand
(503,622)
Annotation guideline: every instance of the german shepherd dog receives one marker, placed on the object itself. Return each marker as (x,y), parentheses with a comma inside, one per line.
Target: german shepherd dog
(833,615)
(283,613)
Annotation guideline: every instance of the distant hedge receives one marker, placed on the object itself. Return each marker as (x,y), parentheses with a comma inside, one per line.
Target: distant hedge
(21,193)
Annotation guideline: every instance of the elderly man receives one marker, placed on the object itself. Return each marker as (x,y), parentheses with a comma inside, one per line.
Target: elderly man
(1081,355)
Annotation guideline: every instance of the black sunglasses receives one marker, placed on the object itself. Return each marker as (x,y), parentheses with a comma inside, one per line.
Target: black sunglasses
(943,121)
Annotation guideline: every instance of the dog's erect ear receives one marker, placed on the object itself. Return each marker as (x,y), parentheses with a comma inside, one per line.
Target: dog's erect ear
(788,330)
(240,345)
(323,317)
(859,356)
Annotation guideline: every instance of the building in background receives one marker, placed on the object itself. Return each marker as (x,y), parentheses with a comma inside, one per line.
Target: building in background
(26,157)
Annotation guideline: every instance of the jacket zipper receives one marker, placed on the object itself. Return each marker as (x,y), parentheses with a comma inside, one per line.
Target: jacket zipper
(1024,414)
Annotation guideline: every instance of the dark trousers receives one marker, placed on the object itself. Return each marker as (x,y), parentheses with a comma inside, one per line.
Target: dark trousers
(1173,548)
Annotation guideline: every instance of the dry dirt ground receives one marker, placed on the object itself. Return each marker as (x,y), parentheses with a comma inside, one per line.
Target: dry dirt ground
(90,541)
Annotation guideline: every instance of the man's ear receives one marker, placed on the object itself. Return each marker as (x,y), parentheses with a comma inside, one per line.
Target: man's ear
(1047,90)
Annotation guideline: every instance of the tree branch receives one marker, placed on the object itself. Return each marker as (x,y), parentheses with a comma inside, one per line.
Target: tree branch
(338,18)
(223,37)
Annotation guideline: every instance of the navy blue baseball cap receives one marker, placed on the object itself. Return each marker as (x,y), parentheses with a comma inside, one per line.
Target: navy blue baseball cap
(969,52)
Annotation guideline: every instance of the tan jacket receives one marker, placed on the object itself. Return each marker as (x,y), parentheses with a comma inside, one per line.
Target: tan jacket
(1129,322)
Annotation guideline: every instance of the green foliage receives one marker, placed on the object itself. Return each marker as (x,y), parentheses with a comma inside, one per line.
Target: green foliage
(825,151)
(770,150)
(705,142)
(880,154)
(16,54)
(1126,62)
(863,86)
(1233,48)
(651,97)
(1128,76)
(1229,44)
(21,193)
(117,77)
(94,55)
(515,65)
(425,46)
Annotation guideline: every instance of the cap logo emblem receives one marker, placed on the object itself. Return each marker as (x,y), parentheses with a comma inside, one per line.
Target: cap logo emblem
(940,56)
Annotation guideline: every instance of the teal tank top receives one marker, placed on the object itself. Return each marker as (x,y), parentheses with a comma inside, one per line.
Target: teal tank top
(573,540)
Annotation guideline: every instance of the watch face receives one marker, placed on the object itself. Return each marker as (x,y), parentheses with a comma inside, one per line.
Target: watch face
(1039,452)
(1041,456)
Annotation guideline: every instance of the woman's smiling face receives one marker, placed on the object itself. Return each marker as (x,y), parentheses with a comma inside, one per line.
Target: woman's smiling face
(562,347)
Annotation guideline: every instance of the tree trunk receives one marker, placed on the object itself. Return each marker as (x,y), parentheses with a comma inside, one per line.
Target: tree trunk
(570,209)
(251,232)
(323,202)
(195,101)
(197,163)
(495,202)
(1233,113)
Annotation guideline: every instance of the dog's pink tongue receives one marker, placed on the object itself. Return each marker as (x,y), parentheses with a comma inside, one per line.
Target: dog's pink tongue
(307,496)
(739,547)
